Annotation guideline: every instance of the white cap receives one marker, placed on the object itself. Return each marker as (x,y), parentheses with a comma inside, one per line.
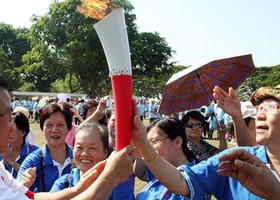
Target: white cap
(22,110)
(248,110)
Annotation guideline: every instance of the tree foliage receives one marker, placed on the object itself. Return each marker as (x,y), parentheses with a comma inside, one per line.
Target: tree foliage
(266,76)
(65,42)
(150,57)
(62,53)
(13,45)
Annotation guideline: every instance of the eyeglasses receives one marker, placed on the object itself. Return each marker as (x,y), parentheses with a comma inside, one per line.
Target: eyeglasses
(269,109)
(10,117)
(157,141)
(194,125)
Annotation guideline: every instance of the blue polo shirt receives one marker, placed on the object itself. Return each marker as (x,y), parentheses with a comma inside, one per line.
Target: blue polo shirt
(203,178)
(25,151)
(155,190)
(67,180)
(121,191)
(51,172)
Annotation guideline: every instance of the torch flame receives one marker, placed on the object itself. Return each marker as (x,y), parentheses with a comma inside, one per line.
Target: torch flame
(96,9)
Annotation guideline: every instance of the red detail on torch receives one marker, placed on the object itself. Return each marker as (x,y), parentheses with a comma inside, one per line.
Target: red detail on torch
(122,92)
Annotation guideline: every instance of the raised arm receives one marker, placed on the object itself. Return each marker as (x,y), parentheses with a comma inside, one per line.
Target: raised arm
(9,157)
(76,113)
(222,132)
(100,111)
(166,173)
(98,182)
(251,172)
(230,103)
(85,181)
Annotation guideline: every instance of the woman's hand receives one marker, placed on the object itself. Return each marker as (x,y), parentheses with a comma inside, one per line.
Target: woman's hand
(139,130)
(229,102)
(102,105)
(28,177)
(251,172)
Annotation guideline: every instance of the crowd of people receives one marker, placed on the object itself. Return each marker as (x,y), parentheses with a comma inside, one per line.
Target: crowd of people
(78,159)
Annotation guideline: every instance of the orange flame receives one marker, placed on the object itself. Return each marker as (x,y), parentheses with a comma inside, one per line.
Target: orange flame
(96,9)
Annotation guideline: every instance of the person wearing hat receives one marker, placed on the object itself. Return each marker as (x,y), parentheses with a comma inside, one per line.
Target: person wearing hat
(243,115)
(202,178)
(18,148)
(30,138)
(249,115)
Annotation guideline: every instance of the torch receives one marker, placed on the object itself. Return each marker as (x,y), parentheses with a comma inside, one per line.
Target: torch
(112,33)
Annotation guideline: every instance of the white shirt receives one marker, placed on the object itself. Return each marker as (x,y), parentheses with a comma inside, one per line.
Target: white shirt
(273,172)
(10,188)
(30,137)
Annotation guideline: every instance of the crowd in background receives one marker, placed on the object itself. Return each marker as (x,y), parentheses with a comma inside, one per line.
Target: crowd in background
(81,134)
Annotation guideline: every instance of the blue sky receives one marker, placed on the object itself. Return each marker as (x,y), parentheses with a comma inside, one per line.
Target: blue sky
(195,29)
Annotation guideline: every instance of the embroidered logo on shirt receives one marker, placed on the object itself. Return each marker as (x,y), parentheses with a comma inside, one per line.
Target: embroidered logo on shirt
(166,194)
(2,177)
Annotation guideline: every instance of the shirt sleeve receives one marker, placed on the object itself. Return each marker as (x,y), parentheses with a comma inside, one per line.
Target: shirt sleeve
(123,191)
(32,160)
(60,183)
(11,188)
(200,179)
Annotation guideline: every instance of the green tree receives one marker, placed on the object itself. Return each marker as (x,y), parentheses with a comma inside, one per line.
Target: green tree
(5,64)
(42,67)
(263,76)
(13,45)
(151,67)
(70,37)
(266,76)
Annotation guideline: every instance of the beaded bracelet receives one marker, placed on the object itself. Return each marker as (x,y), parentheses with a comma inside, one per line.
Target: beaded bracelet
(152,159)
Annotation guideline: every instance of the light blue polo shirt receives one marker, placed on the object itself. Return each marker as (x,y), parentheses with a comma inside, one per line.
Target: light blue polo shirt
(203,178)
(155,190)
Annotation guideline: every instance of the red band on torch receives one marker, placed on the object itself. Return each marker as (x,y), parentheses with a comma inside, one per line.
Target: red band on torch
(122,92)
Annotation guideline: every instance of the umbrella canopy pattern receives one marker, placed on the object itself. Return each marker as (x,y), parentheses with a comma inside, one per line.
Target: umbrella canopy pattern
(193,87)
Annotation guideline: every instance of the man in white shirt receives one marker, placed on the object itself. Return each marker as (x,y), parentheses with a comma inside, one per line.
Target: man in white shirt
(9,187)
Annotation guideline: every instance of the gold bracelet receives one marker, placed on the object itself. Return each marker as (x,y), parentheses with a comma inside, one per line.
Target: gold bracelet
(152,159)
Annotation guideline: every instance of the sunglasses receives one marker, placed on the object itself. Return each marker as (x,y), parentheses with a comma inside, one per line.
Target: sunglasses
(192,126)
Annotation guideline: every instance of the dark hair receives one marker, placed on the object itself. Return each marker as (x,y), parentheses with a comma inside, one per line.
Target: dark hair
(22,123)
(247,120)
(89,104)
(102,131)
(110,113)
(196,115)
(63,108)
(202,110)
(3,84)
(173,128)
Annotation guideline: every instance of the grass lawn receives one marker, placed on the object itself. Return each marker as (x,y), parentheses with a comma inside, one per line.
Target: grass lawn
(40,140)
